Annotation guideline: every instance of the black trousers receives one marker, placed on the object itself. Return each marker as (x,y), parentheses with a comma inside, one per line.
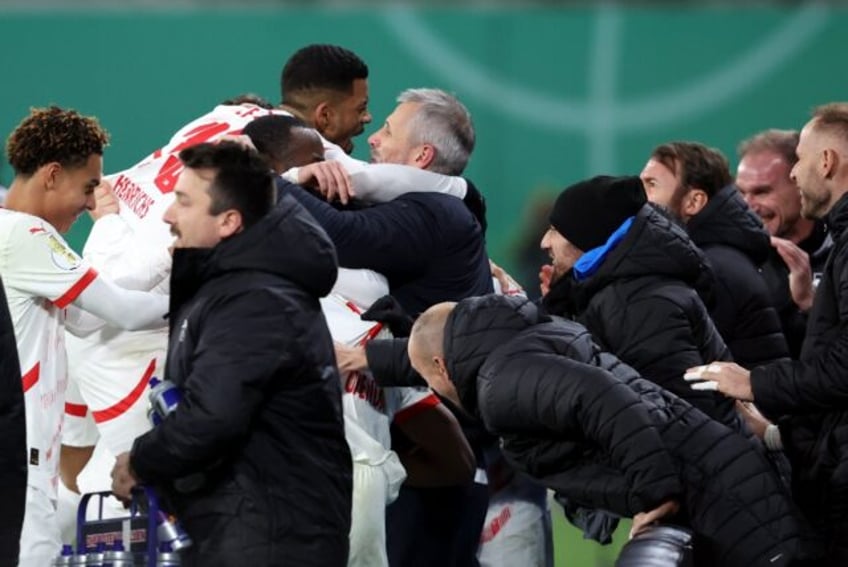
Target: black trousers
(436,526)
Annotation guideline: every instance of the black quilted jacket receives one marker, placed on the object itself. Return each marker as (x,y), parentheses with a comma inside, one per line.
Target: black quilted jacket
(590,428)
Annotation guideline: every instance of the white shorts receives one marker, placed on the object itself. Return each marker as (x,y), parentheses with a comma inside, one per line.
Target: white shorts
(78,428)
(40,538)
(107,394)
(517,530)
(368,517)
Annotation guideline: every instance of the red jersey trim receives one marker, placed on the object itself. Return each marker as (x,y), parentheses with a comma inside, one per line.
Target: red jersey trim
(126,403)
(76,289)
(421,405)
(372,332)
(76,410)
(31,377)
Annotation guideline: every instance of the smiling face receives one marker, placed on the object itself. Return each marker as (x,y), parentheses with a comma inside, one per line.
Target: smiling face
(763,181)
(346,116)
(391,143)
(70,191)
(563,253)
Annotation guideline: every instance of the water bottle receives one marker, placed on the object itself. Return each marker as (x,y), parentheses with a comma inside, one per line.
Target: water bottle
(118,556)
(153,417)
(164,397)
(166,556)
(64,557)
(94,557)
(79,559)
(169,531)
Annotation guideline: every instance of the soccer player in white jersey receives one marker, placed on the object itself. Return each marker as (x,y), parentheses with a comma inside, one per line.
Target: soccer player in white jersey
(57,159)
(443,457)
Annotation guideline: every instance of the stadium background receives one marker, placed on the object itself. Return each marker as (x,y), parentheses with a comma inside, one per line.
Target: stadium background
(557,92)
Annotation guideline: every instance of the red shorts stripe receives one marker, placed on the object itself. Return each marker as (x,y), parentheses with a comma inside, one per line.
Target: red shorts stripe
(421,405)
(31,377)
(123,405)
(76,410)
(76,289)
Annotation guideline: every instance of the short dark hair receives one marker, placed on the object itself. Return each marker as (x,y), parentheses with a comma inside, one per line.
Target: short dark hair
(242,179)
(54,135)
(248,98)
(273,136)
(781,142)
(320,67)
(696,165)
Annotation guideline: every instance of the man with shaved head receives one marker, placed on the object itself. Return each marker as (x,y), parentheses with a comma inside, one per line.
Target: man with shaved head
(427,351)
(587,426)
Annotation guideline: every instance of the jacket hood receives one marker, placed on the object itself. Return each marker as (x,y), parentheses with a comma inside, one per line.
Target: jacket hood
(655,246)
(476,327)
(287,242)
(727,220)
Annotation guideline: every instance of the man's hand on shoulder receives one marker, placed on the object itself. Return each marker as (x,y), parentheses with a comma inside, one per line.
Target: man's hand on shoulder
(330,178)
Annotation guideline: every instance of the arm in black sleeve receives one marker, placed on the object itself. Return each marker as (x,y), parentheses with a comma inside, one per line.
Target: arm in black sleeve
(817,383)
(390,238)
(230,376)
(389,364)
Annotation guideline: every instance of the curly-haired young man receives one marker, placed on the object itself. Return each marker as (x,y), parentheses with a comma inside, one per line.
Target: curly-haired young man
(57,158)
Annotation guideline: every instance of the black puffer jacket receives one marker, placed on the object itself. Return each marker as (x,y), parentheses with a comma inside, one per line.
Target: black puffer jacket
(642,306)
(734,240)
(589,427)
(809,398)
(13,463)
(261,415)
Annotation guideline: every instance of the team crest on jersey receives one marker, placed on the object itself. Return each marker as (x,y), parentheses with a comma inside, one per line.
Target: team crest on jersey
(62,256)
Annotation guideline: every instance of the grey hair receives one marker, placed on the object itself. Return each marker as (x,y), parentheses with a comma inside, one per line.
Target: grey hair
(443,122)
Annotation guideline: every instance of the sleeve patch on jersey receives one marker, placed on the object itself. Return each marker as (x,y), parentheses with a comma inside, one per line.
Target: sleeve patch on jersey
(421,405)
(76,289)
(63,257)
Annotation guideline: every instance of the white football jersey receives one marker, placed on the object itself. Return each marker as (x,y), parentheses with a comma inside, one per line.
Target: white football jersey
(145,190)
(42,276)
(368,408)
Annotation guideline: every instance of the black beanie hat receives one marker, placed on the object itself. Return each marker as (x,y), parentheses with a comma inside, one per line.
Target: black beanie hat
(588,212)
